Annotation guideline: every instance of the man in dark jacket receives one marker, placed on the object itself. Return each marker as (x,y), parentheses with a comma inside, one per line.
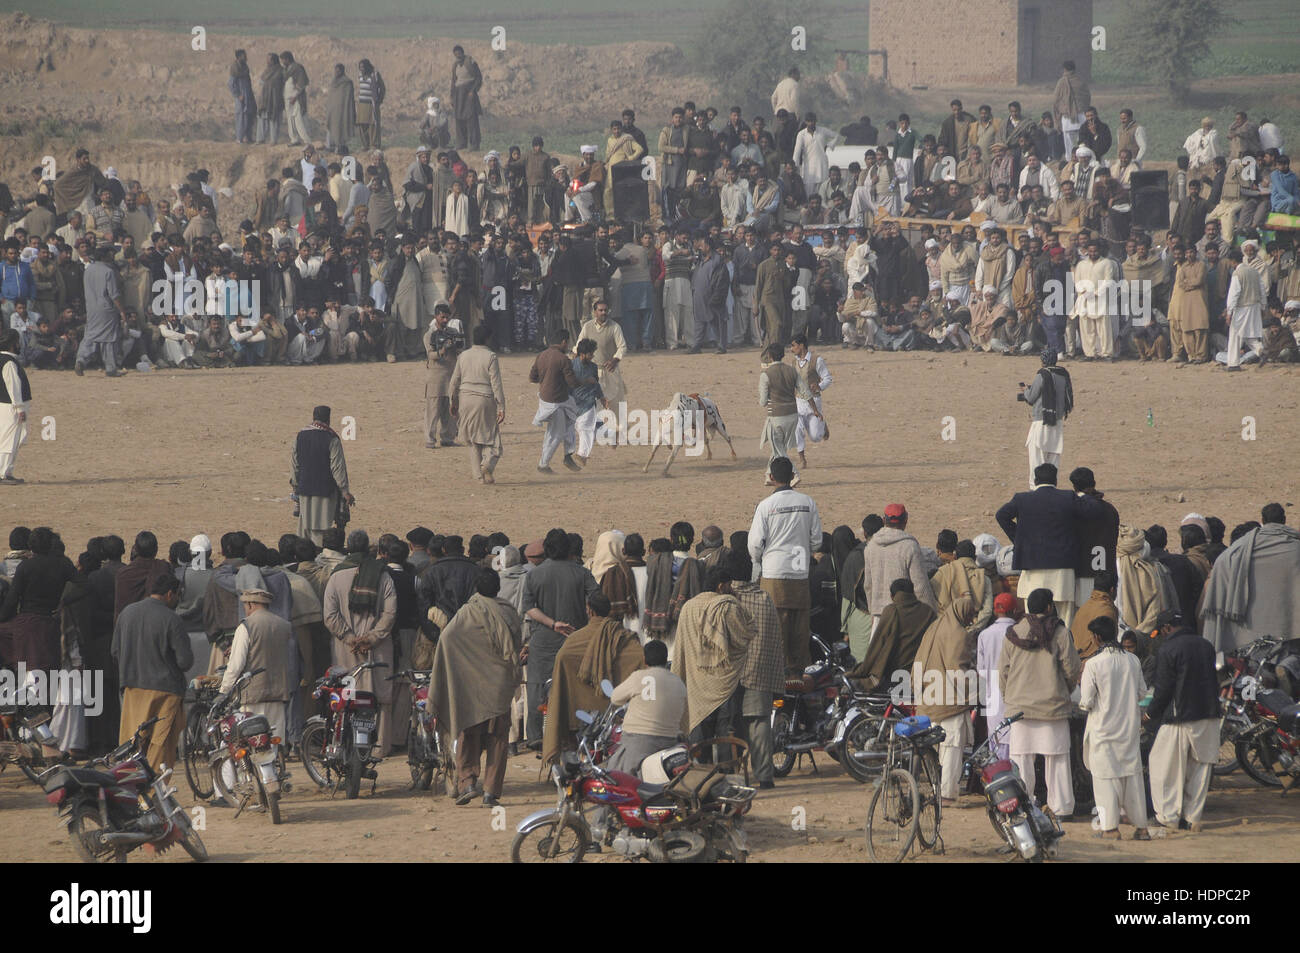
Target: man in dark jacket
(445,585)
(1186,579)
(1045,526)
(1097,538)
(1185,704)
(137,577)
(152,651)
(709,285)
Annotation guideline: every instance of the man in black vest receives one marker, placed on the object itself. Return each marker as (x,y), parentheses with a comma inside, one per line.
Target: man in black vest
(15,396)
(319,477)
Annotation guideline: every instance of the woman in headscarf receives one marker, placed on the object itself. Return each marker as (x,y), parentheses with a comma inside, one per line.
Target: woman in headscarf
(613,574)
(948,688)
(1040,667)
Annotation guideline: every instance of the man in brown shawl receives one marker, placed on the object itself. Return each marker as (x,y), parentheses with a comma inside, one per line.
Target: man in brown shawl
(340,112)
(475,674)
(945,688)
(1069,100)
(72,187)
(270,102)
(602,649)
(713,636)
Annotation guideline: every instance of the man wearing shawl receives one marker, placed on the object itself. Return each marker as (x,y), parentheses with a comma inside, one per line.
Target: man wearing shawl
(295,99)
(466,81)
(478,402)
(360,608)
(945,688)
(370,96)
(620,146)
(340,112)
(672,578)
(897,637)
(319,475)
(240,84)
(986,314)
(713,636)
(763,675)
(1145,586)
(1039,669)
(403,282)
(612,574)
(73,187)
(475,674)
(1069,101)
(1254,586)
(423,207)
(1110,691)
(602,649)
(270,104)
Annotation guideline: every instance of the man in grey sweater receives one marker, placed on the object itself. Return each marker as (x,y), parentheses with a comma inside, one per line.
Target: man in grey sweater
(152,651)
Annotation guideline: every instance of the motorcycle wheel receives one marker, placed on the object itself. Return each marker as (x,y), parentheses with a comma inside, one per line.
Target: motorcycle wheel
(1227,762)
(782,759)
(534,846)
(198,769)
(313,755)
(929,810)
(859,737)
(190,839)
(224,791)
(417,757)
(82,827)
(352,784)
(892,818)
(725,843)
(273,807)
(1256,762)
(270,801)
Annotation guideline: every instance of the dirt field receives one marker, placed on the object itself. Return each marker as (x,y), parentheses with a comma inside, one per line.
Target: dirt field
(208,451)
(805,819)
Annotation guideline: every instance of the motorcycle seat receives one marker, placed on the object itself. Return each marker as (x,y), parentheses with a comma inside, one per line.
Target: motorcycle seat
(1288,719)
(1274,700)
(645,790)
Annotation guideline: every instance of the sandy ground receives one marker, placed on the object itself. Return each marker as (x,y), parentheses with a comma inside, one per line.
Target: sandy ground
(807,818)
(208,451)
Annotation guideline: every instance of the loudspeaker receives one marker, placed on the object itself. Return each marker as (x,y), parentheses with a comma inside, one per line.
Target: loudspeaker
(631,196)
(1150,191)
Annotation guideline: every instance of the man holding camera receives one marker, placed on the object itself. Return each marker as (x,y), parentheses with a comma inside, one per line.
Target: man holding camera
(443,343)
(1050,397)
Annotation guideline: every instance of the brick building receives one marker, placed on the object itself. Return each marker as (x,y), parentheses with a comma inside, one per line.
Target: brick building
(979,42)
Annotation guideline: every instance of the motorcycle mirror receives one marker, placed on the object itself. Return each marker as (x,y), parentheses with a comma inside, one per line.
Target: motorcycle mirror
(584,716)
(607,687)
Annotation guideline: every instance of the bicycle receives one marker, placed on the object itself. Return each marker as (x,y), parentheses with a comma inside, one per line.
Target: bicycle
(905,807)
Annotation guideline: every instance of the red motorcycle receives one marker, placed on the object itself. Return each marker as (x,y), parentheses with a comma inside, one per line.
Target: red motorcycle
(337,752)
(696,816)
(117,803)
(1024,827)
(246,761)
(1269,750)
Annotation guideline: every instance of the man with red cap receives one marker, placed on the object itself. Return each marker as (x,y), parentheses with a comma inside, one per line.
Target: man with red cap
(893,553)
(988,660)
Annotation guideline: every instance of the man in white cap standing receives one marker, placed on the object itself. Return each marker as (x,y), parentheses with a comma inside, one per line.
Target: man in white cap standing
(588,179)
(263,641)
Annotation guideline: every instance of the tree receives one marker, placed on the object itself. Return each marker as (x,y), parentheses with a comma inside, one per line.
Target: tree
(1170,38)
(753,43)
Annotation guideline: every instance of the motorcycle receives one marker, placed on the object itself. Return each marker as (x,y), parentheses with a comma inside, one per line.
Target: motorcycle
(694,815)
(24,735)
(118,803)
(1025,828)
(337,752)
(828,713)
(424,744)
(245,760)
(1269,750)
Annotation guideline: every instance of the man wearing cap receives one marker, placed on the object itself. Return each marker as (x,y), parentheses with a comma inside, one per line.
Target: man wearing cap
(263,640)
(1044,525)
(319,476)
(1244,313)
(587,184)
(893,553)
(423,205)
(1202,148)
(1185,704)
(988,662)
(151,651)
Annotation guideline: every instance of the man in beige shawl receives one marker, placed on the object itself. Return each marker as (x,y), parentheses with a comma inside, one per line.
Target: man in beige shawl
(985,314)
(475,674)
(602,649)
(83,180)
(1188,312)
(478,402)
(1069,100)
(340,112)
(713,636)
(1145,586)
(945,687)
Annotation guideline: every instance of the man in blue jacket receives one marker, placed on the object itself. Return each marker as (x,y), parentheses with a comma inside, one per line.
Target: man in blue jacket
(1044,526)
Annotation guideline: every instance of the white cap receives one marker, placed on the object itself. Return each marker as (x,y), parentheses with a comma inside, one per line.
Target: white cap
(225,246)
(989,290)
(936,284)
(587,150)
(201,544)
(988,225)
(954,294)
(1085,151)
(1250,241)
(1292,305)
(111,172)
(932,243)
(986,549)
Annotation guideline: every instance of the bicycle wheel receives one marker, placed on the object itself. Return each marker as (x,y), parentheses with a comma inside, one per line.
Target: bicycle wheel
(198,769)
(929,811)
(892,819)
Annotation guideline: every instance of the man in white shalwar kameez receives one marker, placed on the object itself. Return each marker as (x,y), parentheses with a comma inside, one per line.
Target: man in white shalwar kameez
(1245,306)
(1111,688)
(1095,279)
(988,662)
(810,153)
(812,368)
